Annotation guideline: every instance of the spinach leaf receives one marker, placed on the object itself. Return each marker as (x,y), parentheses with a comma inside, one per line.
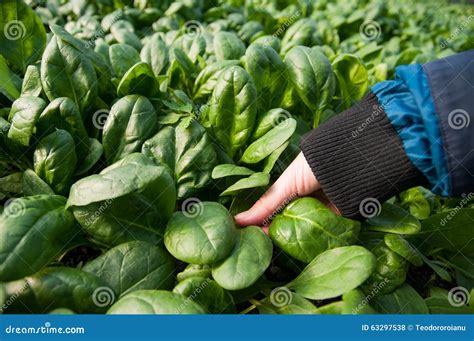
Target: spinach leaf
(228,46)
(306,228)
(269,142)
(394,219)
(268,71)
(68,72)
(156,53)
(24,225)
(225,170)
(207,293)
(55,160)
(253,181)
(404,300)
(449,230)
(32,184)
(129,200)
(203,236)
(334,272)
(23,35)
(130,122)
(24,115)
(138,80)
(155,302)
(10,85)
(390,271)
(188,151)
(32,82)
(134,266)
(59,287)
(232,109)
(248,260)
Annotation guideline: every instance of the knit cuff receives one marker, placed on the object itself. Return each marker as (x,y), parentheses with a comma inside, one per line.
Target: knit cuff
(358,158)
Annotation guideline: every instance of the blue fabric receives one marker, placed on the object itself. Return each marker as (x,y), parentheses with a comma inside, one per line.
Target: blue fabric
(408,104)
(451,82)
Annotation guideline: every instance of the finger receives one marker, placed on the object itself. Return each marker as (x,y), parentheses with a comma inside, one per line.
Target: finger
(268,204)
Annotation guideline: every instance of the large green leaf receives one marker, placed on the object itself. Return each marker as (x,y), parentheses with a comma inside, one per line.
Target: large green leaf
(306,227)
(394,219)
(134,266)
(155,302)
(451,230)
(33,231)
(130,200)
(59,287)
(269,74)
(24,115)
(253,181)
(269,142)
(68,72)
(138,80)
(130,122)
(404,300)
(228,46)
(334,272)
(204,234)
(232,109)
(55,160)
(247,262)
(156,53)
(10,85)
(188,151)
(23,35)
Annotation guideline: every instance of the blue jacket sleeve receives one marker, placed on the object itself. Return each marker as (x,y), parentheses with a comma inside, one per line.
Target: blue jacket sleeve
(431,107)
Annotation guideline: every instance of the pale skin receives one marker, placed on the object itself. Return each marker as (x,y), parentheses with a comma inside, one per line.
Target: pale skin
(297,180)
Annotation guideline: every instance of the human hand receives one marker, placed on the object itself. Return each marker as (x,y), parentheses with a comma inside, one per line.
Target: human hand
(296,181)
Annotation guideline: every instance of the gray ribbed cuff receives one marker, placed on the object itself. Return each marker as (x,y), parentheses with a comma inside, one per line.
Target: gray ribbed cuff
(358,156)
